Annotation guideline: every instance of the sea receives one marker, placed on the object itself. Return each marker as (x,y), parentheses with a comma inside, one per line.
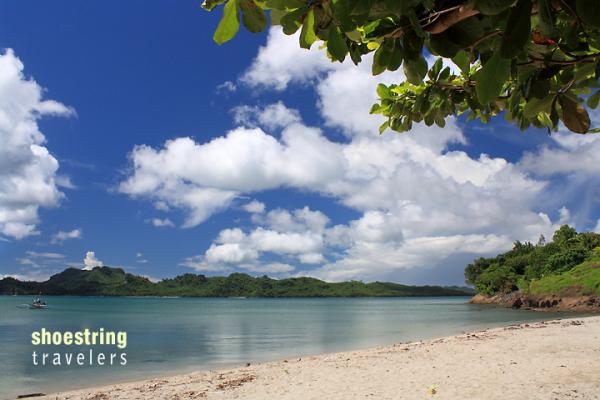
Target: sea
(166,336)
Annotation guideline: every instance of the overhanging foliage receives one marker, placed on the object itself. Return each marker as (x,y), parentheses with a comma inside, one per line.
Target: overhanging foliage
(534,60)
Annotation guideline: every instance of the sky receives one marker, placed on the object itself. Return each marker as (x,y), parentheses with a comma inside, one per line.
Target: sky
(129,138)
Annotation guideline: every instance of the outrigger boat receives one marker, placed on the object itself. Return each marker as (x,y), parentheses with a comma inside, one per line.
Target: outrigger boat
(38,304)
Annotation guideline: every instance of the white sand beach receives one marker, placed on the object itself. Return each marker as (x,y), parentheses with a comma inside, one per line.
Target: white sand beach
(558,359)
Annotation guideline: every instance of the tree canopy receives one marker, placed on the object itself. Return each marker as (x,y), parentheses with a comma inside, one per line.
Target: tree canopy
(532,267)
(536,61)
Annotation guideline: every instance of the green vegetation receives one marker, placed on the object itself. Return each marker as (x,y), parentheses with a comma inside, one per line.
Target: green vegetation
(536,61)
(569,265)
(106,281)
(583,279)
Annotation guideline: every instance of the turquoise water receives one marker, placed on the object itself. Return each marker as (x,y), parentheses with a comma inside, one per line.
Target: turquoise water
(170,335)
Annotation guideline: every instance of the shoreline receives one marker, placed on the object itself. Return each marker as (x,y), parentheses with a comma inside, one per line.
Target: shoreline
(541,303)
(551,359)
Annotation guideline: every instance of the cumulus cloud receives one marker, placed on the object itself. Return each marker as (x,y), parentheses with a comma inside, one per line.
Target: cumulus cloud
(205,178)
(61,236)
(419,201)
(28,178)
(570,154)
(298,234)
(91,261)
(254,207)
(271,116)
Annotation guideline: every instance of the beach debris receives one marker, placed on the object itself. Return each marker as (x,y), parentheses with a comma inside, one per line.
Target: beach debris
(192,394)
(25,396)
(236,382)
(433,389)
(99,396)
(575,322)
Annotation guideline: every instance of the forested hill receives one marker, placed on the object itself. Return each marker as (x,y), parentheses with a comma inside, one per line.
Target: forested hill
(542,273)
(106,281)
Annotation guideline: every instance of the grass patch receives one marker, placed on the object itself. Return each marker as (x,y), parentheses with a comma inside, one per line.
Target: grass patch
(581,280)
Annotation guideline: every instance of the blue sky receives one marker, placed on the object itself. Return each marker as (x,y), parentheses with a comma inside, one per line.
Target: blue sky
(261,161)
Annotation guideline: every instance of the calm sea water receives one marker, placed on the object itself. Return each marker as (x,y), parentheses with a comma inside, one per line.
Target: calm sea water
(170,335)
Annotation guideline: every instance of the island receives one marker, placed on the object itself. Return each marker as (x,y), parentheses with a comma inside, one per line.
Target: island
(107,281)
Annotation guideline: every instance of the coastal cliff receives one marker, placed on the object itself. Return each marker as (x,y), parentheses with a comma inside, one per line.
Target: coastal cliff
(521,300)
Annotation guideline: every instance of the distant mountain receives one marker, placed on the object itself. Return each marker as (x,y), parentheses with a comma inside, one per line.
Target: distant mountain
(107,281)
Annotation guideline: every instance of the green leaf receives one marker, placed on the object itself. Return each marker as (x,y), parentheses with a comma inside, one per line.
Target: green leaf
(461,59)
(443,45)
(254,17)
(307,34)
(589,12)
(284,4)
(384,126)
(493,7)
(276,16)
(396,57)
(416,24)
(536,106)
(546,17)
(208,5)
(593,100)
(518,29)
(229,24)
(336,44)
(382,57)
(291,21)
(574,116)
(383,91)
(491,78)
(415,70)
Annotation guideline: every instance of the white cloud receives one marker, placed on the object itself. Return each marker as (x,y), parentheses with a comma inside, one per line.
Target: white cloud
(205,178)
(298,234)
(64,181)
(271,116)
(311,258)
(254,207)
(230,253)
(41,260)
(278,63)
(47,255)
(27,169)
(271,268)
(161,222)
(420,203)
(61,236)
(90,261)
(199,264)
(299,220)
(139,258)
(227,86)
(571,154)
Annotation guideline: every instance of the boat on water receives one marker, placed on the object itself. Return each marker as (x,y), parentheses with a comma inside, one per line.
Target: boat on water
(38,304)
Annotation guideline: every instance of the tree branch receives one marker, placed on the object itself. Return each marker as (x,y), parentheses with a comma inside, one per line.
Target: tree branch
(443,21)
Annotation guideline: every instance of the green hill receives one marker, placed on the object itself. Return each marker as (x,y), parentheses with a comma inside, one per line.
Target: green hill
(106,281)
(583,279)
(567,267)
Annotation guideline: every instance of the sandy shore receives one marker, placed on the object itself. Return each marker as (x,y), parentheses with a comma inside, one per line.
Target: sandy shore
(547,360)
